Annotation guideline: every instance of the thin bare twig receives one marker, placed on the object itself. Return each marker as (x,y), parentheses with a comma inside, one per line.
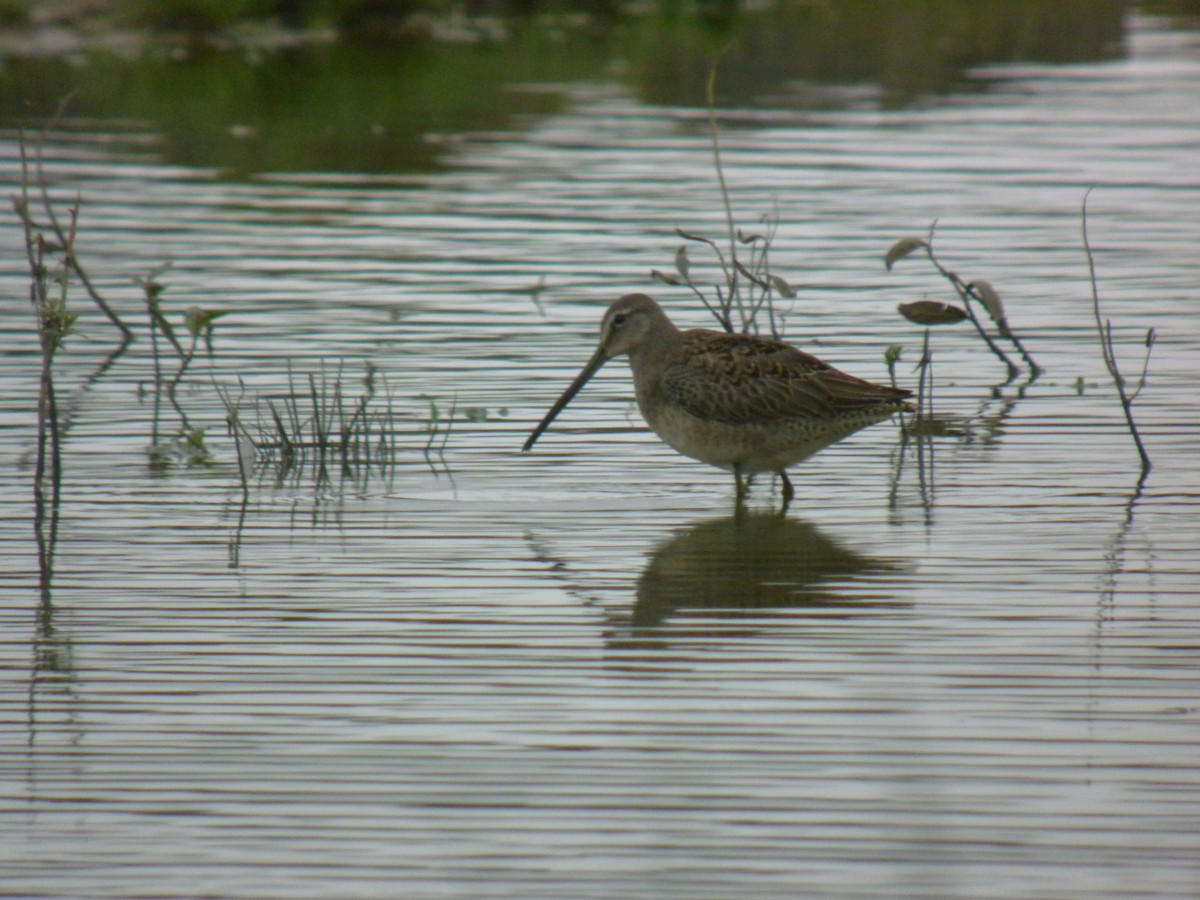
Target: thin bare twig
(1104,330)
(716,145)
(70,256)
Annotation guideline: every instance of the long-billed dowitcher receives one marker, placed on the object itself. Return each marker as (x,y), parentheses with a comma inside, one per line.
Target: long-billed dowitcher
(746,404)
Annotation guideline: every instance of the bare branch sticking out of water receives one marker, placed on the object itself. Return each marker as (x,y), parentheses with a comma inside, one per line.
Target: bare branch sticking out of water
(49,284)
(53,265)
(1104,330)
(65,236)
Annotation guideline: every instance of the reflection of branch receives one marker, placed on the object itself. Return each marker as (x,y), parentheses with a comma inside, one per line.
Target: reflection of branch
(1115,553)
(51,652)
(981,429)
(243,443)
(433,429)
(45,528)
(67,409)
(922,437)
(1104,329)
(558,569)
(235,539)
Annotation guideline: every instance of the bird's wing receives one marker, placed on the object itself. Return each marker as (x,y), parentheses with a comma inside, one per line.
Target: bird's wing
(739,379)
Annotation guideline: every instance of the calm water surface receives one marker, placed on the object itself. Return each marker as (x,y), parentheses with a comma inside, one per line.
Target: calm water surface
(959,667)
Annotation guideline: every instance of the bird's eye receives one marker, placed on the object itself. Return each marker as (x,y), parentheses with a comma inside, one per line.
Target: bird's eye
(618,320)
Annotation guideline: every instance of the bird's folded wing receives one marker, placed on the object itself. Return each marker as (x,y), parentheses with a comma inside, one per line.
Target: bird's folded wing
(738,379)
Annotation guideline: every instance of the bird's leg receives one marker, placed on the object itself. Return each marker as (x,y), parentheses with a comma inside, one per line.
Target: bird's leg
(742,484)
(788,491)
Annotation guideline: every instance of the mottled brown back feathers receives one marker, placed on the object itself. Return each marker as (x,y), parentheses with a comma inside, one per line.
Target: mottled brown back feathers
(740,379)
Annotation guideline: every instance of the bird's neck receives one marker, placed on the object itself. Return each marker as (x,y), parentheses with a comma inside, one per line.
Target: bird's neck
(648,361)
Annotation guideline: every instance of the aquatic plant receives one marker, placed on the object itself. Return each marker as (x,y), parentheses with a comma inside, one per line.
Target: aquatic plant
(188,443)
(317,423)
(63,242)
(324,423)
(748,286)
(969,292)
(49,278)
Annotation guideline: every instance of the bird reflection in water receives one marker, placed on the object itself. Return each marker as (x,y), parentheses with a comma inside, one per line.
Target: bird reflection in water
(728,568)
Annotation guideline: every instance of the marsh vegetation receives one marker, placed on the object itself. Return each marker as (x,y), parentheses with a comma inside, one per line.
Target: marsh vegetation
(290,613)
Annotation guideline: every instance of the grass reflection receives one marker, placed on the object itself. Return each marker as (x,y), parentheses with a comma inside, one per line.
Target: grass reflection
(246,104)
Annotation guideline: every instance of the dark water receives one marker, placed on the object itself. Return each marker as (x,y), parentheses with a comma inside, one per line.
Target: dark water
(964,666)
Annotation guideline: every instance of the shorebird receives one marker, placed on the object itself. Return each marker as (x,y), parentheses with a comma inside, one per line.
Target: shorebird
(743,403)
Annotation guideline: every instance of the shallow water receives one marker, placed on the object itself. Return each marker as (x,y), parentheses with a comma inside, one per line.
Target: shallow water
(964,666)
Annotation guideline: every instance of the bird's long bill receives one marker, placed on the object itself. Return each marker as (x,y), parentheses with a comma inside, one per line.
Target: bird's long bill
(598,359)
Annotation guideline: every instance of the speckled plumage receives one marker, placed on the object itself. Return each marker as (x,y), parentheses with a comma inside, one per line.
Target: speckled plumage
(744,403)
